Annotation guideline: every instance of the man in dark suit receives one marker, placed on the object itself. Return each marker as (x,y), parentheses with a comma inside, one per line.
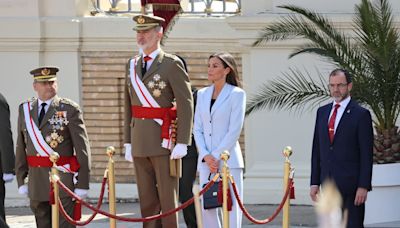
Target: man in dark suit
(342,148)
(189,169)
(6,152)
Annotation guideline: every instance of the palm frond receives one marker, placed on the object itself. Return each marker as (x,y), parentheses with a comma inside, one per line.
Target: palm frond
(294,91)
(325,39)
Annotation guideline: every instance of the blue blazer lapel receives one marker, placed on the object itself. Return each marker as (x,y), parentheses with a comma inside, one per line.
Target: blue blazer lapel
(226,90)
(325,120)
(207,99)
(345,117)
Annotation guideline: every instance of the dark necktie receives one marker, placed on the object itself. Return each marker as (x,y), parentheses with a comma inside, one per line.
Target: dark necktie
(144,69)
(331,125)
(42,112)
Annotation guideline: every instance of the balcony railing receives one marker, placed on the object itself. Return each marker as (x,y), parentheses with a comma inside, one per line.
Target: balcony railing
(206,7)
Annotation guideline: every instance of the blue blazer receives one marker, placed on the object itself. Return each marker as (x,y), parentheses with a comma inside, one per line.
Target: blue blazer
(348,160)
(219,129)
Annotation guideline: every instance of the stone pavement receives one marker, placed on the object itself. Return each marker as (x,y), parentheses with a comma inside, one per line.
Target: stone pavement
(19,214)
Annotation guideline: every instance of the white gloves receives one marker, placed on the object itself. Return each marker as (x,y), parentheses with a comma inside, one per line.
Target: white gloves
(8,177)
(81,192)
(23,190)
(128,152)
(179,151)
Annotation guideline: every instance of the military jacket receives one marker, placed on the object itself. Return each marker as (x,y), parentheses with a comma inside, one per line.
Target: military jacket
(67,139)
(167,81)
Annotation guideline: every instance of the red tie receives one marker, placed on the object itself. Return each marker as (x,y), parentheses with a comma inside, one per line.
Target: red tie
(331,125)
(146,59)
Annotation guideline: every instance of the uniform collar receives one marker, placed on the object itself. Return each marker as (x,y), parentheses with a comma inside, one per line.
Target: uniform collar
(48,102)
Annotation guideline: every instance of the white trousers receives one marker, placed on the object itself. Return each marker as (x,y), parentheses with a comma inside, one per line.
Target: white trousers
(211,216)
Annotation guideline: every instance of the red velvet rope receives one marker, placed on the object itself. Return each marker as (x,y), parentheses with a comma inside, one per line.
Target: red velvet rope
(146,219)
(267,220)
(83,223)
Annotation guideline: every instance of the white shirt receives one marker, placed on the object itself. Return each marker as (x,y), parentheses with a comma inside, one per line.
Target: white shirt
(153,55)
(48,103)
(340,111)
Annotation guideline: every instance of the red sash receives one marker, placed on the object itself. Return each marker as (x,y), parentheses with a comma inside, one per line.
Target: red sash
(40,161)
(166,114)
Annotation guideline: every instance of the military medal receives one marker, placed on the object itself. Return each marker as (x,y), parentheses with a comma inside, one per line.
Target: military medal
(156,85)
(58,122)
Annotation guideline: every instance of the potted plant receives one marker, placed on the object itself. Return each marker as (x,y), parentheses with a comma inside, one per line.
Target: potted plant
(371,54)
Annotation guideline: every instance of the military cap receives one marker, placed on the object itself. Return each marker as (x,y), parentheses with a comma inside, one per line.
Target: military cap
(44,74)
(145,22)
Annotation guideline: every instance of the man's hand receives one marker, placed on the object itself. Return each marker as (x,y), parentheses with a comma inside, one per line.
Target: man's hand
(128,152)
(81,192)
(314,191)
(212,163)
(179,151)
(8,177)
(23,190)
(361,196)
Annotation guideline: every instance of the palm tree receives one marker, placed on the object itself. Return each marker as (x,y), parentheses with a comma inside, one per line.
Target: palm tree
(371,54)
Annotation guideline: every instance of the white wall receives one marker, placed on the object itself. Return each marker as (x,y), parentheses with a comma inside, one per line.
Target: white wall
(52,32)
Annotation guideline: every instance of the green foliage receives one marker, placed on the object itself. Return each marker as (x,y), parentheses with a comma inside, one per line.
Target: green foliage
(371,54)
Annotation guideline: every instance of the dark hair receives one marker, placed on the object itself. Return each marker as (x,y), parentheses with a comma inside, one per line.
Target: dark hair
(345,72)
(228,61)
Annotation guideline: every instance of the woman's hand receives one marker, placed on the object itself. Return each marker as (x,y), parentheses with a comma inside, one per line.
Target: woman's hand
(212,163)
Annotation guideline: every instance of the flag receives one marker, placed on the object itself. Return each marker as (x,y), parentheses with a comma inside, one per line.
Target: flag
(167,9)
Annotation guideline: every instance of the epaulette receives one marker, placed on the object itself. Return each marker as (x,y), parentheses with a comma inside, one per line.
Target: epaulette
(32,99)
(69,102)
(171,56)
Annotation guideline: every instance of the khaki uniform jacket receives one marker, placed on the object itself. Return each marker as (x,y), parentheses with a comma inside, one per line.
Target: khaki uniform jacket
(6,141)
(75,141)
(145,134)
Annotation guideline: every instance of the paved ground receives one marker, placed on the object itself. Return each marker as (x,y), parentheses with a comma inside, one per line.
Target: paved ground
(19,214)
(302,216)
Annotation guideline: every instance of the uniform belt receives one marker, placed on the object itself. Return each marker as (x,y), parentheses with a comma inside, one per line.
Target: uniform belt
(44,161)
(166,114)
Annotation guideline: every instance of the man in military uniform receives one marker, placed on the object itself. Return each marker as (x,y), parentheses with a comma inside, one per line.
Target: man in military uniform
(7,158)
(154,81)
(48,124)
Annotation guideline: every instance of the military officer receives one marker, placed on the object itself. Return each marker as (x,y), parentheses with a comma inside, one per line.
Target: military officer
(154,81)
(49,124)
(7,158)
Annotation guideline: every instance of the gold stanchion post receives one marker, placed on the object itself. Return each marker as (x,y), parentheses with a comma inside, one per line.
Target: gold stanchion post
(197,206)
(225,173)
(111,185)
(287,151)
(55,217)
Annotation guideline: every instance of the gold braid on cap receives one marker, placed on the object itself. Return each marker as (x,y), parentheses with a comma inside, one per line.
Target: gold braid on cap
(44,77)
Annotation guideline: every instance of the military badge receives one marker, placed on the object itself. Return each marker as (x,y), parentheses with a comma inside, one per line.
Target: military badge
(141,20)
(156,85)
(156,77)
(156,92)
(45,72)
(58,122)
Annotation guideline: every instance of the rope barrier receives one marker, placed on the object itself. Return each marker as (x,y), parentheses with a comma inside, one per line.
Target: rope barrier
(267,220)
(83,223)
(146,219)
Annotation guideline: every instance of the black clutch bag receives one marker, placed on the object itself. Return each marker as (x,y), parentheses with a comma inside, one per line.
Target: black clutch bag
(210,197)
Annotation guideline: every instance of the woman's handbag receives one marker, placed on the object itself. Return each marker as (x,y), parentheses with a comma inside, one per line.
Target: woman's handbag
(212,198)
